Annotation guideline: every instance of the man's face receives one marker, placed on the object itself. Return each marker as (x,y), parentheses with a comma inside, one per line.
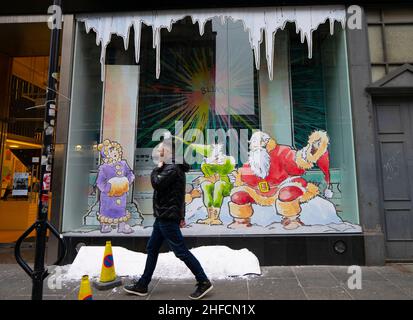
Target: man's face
(163,152)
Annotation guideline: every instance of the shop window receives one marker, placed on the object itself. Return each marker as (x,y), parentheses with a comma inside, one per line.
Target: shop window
(205,82)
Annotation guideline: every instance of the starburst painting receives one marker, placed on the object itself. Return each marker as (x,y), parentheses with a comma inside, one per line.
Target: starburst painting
(202,84)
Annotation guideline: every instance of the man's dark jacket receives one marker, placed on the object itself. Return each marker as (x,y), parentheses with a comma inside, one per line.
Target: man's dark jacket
(168,183)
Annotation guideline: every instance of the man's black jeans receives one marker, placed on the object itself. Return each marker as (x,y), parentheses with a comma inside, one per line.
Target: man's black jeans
(169,230)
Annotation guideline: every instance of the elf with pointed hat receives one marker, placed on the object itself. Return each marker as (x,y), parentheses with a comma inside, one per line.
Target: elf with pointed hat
(273,176)
(215,183)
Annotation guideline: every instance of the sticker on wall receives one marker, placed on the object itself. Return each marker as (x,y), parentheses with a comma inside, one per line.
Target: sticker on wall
(49,130)
(46,181)
(45,199)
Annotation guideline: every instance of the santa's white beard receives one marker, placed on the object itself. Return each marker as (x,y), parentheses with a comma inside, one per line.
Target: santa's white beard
(259,160)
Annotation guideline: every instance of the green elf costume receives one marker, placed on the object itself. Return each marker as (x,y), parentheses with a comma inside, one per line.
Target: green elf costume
(215,184)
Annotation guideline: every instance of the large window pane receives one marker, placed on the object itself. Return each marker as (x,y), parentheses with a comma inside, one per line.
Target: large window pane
(210,82)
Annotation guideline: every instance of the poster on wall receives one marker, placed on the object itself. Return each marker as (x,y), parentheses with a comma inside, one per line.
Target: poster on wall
(20,184)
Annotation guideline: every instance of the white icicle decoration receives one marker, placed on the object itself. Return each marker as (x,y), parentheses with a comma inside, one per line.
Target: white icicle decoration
(256,21)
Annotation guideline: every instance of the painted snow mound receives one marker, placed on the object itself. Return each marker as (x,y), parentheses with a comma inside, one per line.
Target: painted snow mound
(318,211)
(219,262)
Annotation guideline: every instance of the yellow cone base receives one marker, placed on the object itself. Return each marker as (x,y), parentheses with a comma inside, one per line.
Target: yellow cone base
(107,285)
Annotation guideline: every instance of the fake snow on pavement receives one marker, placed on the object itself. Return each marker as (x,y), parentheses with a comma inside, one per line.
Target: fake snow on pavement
(219,262)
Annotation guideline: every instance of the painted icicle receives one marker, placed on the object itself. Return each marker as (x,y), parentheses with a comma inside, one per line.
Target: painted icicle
(256,21)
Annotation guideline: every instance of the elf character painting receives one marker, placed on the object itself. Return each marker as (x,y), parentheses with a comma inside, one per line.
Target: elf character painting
(273,177)
(215,182)
(113,180)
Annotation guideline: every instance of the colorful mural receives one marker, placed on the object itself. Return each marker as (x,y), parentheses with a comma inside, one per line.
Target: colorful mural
(273,178)
(265,186)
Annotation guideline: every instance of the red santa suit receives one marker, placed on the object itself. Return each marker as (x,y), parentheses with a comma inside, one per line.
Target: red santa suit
(284,186)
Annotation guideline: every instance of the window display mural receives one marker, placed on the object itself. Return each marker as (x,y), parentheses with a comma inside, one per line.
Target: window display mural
(267,132)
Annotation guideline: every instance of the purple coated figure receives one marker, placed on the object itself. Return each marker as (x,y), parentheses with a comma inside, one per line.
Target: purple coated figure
(113,180)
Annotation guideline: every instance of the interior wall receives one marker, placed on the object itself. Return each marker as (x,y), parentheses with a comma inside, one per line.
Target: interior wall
(32,69)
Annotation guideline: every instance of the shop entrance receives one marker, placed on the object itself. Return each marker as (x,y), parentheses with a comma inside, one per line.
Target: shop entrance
(24,50)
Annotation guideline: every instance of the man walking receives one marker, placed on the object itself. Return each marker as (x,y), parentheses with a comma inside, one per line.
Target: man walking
(168,182)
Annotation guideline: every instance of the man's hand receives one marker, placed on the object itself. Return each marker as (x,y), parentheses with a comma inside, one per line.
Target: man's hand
(182,223)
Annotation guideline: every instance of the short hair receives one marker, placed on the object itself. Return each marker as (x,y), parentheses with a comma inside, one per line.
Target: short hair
(169,141)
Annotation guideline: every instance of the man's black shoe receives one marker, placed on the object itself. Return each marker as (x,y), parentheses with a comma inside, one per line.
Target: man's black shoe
(136,288)
(202,288)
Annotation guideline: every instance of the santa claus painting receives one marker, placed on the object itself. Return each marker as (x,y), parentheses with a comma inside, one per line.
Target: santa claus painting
(273,177)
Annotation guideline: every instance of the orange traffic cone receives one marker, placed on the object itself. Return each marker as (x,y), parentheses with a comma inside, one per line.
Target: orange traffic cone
(108,278)
(85,292)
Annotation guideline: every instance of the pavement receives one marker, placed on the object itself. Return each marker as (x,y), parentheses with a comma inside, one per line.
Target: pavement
(390,282)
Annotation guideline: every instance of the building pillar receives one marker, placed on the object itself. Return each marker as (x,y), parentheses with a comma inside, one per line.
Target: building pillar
(365,144)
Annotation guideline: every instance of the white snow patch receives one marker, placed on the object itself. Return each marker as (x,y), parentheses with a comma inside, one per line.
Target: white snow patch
(219,262)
